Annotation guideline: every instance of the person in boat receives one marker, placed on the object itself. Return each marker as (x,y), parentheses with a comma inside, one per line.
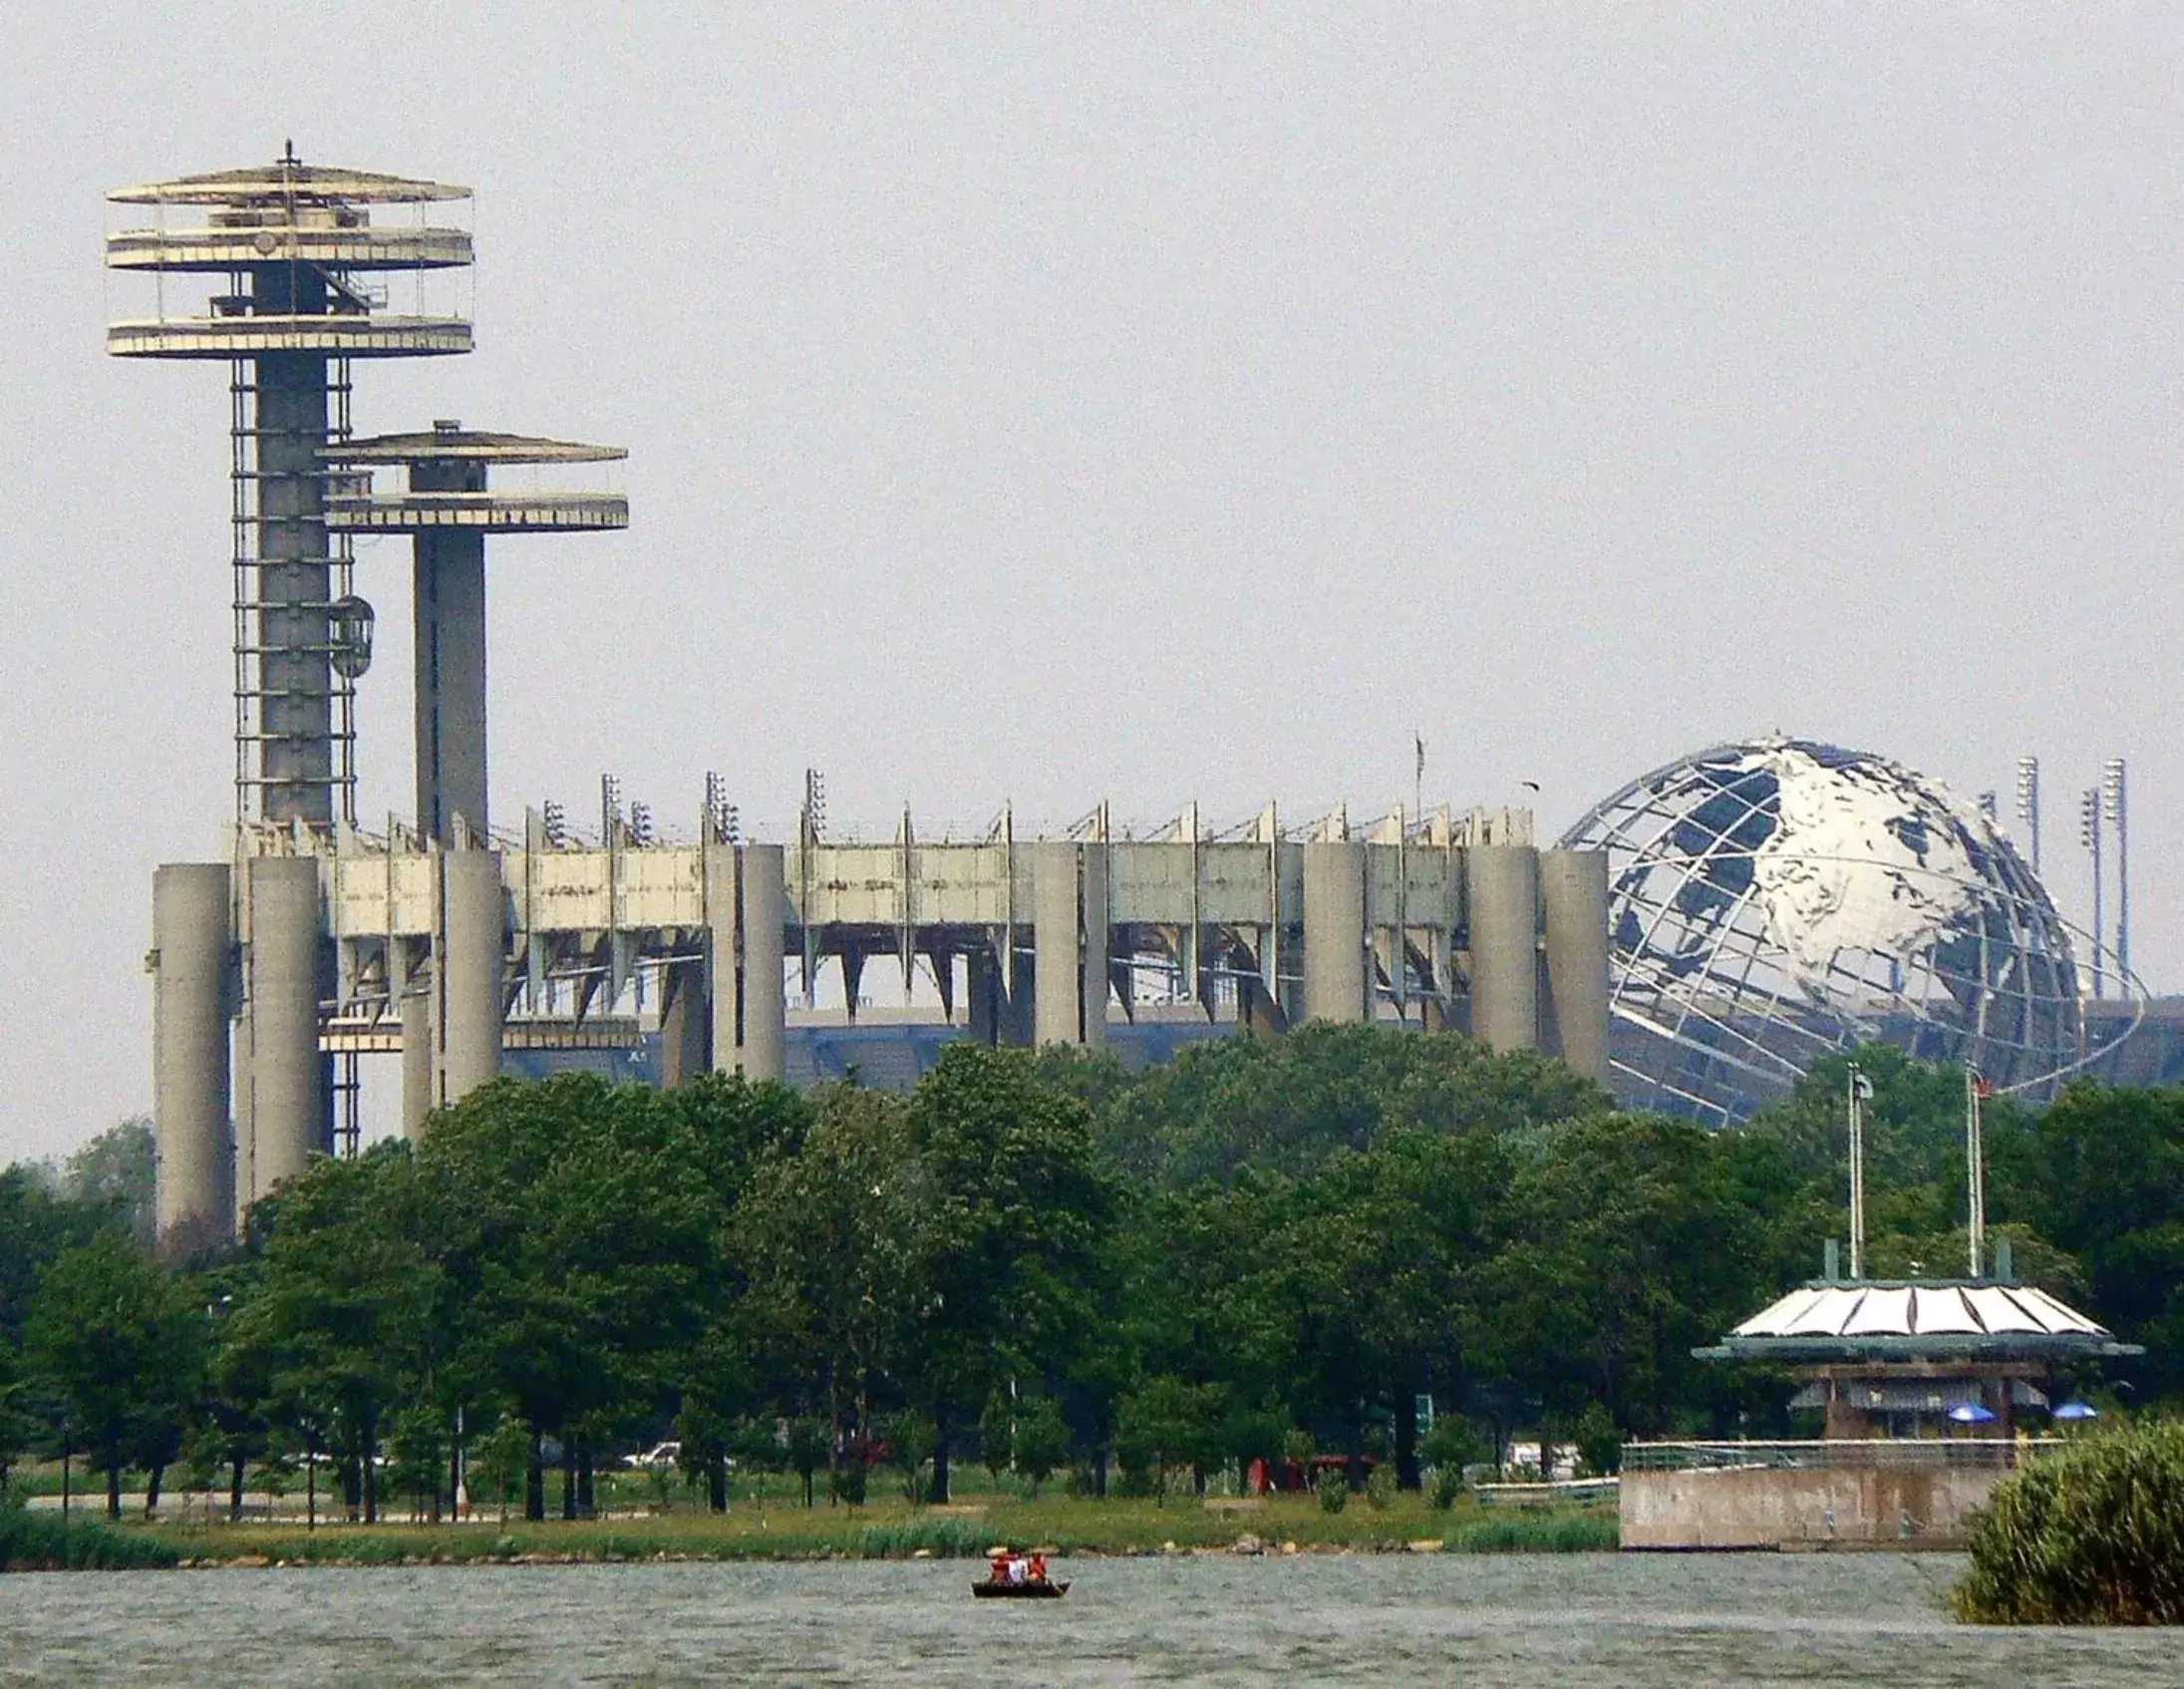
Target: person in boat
(1038,1569)
(999,1571)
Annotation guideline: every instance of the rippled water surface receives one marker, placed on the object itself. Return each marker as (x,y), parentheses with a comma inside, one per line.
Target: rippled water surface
(1544,1620)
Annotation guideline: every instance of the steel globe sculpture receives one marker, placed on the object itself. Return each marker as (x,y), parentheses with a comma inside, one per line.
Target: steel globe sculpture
(1774,900)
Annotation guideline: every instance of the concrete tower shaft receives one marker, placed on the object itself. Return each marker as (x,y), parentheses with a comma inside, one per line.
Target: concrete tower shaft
(298,251)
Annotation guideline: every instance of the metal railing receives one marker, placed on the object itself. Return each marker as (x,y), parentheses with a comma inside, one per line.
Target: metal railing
(1842,1454)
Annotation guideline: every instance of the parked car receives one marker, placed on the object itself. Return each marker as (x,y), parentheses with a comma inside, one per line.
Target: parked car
(667,1454)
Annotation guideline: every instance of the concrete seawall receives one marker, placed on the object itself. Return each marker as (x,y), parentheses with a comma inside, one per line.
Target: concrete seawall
(1764,1508)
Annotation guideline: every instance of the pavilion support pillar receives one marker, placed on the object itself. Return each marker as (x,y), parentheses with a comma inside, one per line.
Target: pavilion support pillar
(761,1047)
(1503,888)
(685,1022)
(1336,937)
(290,1083)
(1573,889)
(1070,934)
(469,974)
(408,961)
(191,939)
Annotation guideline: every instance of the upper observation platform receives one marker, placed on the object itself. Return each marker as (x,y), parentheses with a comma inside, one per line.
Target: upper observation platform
(296,242)
(446,485)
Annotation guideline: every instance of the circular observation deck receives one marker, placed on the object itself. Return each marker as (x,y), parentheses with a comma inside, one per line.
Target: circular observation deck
(242,336)
(449,454)
(496,512)
(356,248)
(289,182)
(453,444)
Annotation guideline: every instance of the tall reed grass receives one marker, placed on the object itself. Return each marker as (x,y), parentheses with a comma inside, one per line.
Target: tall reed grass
(2092,1536)
(39,1541)
(1549,1533)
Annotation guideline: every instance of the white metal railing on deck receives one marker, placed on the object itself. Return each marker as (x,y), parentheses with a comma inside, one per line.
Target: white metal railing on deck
(1840,1453)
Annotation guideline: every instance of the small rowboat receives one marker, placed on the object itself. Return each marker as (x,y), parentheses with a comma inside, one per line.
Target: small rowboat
(987,1590)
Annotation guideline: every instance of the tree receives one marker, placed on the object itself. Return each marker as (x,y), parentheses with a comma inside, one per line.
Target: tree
(1166,1422)
(497,1461)
(1286,1105)
(1372,1264)
(1020,1207)
(1025,1434)
(578,1225)
(118,1170)
(810,1448)
(346,1321)
(1622,1258)
(2110,1171)
(120,1348)
(35,1226)
(829,1245)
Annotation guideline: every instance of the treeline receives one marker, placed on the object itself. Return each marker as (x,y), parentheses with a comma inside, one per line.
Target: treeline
(1268,1248)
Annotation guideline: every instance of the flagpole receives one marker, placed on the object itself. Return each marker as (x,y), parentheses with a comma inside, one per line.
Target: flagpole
(1857,1180)
(1972,1167)
(1975,1168)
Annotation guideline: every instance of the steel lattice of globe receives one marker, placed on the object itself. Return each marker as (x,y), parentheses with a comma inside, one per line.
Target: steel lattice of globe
(1774,900)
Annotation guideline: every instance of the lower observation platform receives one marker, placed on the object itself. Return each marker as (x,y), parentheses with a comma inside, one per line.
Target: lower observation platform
(493,512)
(251,336)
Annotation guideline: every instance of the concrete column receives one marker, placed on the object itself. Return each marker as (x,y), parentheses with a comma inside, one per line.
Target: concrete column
(982,997)
(469,974)
(451,677)
(1098,939)
(764,917)
(1335,935)
(1057,953)
(1503,889)
(295,673)
(191,931)
(1573,893)
(1257,1011)
(413,972)
(685,1020)
(246,1129)
(290,1100)
(724,942)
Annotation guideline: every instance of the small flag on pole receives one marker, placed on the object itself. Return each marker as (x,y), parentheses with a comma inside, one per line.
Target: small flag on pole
(1982,1087)
(1419,738)
(1863,1087)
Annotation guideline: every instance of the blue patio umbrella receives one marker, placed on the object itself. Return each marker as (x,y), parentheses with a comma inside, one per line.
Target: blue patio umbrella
(2077,1410)
(1972,1413)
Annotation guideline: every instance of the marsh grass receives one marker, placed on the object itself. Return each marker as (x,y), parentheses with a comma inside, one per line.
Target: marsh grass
(39,1541)
(2093,1535)
(894,1531)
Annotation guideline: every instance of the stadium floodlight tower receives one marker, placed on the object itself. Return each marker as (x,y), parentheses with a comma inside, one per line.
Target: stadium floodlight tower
(452,1032)
(300,256)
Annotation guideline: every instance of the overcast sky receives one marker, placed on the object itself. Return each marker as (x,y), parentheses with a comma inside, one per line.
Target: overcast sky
(1140,404)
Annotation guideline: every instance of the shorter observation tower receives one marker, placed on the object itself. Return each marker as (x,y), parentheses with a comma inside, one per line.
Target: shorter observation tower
(452,1000)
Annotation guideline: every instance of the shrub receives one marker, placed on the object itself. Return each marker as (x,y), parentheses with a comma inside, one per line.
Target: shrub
(1599,1443)
(1447,1485)
(2093,1535)
(1380,1489)
(1334,1493)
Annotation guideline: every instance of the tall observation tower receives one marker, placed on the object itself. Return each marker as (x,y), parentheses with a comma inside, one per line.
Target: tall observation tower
(298,261)
(251,960)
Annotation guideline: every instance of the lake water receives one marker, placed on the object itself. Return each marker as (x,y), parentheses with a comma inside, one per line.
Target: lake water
(1380,1619)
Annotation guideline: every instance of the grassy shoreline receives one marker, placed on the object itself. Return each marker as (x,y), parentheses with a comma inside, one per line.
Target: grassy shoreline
(1067,1527)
